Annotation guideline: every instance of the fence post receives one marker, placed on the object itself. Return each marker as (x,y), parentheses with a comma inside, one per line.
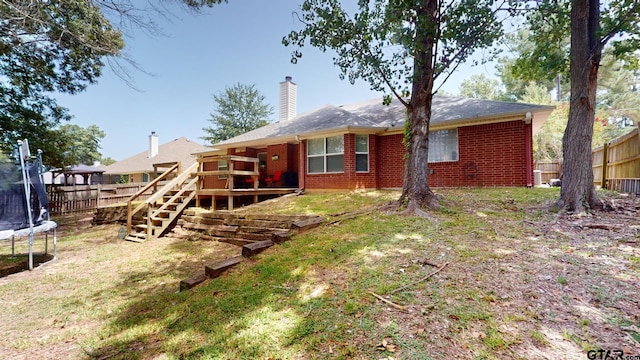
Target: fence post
(98,193)
(604,166)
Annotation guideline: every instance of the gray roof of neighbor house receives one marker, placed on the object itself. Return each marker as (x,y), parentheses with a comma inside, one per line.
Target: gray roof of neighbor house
(373,116)
(180,149)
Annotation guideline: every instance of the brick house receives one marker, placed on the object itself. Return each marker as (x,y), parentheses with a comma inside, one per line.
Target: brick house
(472,142)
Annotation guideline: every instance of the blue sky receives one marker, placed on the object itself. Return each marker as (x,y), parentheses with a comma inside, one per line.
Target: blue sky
(201,55)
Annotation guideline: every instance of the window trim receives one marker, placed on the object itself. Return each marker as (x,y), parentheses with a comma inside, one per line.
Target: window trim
(325,155)
(361,153)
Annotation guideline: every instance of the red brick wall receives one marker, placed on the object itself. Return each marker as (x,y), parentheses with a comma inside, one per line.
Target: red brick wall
(349,178)
(212,182)
(390,161)
(285,160)
(490,155)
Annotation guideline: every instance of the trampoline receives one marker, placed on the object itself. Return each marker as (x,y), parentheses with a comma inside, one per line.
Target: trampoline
(24,206)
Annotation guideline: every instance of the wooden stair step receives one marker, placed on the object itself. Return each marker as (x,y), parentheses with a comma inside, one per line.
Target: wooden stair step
(254,236)
(308,223)
(164,214)
(215,269)
(282,236)
(192,281)
(200,220)
(256,247)
(261,230)
(160,220)
(136,237)
(235,241)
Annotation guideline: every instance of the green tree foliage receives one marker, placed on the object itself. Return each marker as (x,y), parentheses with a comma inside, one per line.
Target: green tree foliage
(478,86)
(47,46)
(589,26)
(511,73)
(619,91)
(107,160)
(239,109)
(60,46)
(618,104)
(401,47)
(81,145)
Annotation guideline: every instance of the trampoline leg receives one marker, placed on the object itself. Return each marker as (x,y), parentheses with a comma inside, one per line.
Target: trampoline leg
(55,243)
(46,243)
(31,251)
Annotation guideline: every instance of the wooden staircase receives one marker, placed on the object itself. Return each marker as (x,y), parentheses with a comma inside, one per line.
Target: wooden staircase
(164,206)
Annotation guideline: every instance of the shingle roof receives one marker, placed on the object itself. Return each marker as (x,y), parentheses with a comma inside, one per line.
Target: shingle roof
(374,115)
(180,149)
(323,118)
(444,109)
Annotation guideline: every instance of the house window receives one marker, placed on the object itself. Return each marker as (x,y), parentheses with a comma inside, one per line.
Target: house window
(443,145)
(325,155)
(222,166)
(362,153)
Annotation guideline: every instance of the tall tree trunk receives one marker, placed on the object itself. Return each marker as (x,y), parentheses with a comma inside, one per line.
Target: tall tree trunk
(578,192)
(416,193)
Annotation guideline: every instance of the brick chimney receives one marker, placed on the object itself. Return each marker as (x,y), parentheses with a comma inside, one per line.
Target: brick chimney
(153,144)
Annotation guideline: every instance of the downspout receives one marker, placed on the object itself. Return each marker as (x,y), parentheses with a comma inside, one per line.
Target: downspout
(528,149)
(302,167)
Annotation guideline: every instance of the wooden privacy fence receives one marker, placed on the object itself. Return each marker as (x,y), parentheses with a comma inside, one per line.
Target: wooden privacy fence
(85,198)
(616,165)
(70,199)
(549,170)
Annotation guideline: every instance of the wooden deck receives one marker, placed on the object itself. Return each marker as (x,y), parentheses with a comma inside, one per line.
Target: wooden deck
(238,167)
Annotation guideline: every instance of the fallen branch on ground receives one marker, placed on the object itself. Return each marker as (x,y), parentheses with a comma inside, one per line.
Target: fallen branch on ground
(399,307)
(350,215)
(427,262)
(420,280)
(603,226)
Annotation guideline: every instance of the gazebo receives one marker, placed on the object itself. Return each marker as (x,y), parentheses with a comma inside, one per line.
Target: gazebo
(90,174)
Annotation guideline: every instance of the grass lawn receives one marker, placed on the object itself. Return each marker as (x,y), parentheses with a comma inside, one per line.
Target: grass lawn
(495,274)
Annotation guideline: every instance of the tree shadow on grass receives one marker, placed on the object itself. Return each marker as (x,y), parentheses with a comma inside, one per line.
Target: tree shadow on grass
(271,306)
(12,264)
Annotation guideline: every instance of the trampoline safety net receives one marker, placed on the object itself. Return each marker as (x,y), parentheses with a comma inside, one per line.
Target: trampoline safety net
(14,210)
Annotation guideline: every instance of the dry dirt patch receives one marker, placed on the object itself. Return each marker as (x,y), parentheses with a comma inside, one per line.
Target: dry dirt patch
(57,310)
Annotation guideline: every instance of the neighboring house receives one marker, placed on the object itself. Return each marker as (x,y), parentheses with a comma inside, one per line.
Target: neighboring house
(143,166)
(472,142)
(75,175)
